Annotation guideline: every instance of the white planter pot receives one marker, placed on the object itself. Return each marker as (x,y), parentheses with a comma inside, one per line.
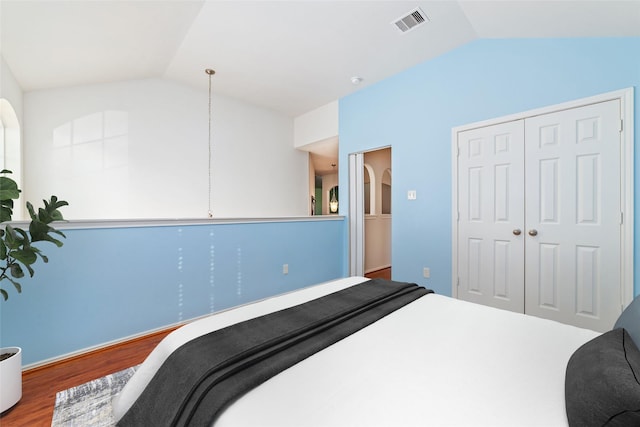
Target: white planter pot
(10,378)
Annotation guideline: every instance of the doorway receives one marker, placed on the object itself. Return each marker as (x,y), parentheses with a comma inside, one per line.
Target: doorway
(370,212)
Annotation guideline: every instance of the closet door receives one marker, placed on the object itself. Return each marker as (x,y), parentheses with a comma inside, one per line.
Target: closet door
(573,235)
(491,215)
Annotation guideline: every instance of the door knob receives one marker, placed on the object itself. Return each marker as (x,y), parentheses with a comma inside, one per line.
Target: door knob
(517,231)
(533,232)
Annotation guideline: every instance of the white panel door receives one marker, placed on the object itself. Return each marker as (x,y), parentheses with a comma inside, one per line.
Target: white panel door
(491,215)
(573,235)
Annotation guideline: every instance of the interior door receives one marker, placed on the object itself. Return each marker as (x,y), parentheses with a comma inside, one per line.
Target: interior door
(573,233)
(491,215)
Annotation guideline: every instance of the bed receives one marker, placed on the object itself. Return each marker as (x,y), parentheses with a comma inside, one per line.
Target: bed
(436,361)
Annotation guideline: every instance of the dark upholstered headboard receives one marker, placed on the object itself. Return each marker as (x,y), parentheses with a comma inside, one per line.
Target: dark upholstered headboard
(602,382)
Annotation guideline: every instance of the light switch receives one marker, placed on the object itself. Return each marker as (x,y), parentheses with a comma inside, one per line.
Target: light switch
(411,194)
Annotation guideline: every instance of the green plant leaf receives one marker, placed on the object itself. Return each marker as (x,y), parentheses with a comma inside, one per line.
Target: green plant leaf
(44,216)
(8,188)
(51,210)
(58,232)
(32,213)
(16,250)
(56,215)
(14,237)
(6,210)
(56,242)
(38,231)
(16,285)
(24,256)
(16,271)
(55,204)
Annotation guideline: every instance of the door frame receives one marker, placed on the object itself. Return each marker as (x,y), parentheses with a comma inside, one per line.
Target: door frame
(356,214)
(357,217)
(625,97)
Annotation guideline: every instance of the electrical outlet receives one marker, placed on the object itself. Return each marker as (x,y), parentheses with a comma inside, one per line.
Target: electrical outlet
(285,268)
(426,272)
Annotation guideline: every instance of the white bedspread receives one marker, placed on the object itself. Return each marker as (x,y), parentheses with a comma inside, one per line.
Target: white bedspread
(438,361)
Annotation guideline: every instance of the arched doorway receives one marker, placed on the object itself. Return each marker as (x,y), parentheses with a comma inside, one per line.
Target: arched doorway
(11,150)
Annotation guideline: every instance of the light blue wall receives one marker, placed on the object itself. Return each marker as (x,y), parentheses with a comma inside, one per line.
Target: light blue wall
(414,113)
(105,284)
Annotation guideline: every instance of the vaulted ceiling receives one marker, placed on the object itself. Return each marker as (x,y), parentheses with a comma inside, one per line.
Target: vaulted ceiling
(291,56)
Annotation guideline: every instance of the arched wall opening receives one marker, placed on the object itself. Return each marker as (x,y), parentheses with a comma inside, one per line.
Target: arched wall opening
(11,150)
(369,190)
(386,192)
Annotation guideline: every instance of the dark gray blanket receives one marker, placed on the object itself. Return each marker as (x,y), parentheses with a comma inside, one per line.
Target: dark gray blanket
(202,377)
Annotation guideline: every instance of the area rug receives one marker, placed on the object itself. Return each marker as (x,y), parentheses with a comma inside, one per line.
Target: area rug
(89,404)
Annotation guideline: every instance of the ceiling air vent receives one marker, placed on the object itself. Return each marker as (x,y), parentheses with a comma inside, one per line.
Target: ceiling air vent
(411,20)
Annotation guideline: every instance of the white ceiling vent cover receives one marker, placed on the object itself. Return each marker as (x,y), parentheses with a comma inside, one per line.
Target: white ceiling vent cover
(411,20)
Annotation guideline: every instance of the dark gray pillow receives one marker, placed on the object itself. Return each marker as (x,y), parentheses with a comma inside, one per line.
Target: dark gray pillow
(630,320)
(602,382)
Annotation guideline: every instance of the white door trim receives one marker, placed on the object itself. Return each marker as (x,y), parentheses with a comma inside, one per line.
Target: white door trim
(625,97)
(356,214)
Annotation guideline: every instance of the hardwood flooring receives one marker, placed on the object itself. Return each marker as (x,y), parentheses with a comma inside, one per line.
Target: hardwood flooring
(40,385)
(384,273)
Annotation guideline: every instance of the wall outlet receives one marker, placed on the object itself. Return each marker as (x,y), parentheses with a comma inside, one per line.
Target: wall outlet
(285,268)
(426,272)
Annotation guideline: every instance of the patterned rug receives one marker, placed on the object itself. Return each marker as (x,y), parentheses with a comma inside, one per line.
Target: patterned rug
(89,404)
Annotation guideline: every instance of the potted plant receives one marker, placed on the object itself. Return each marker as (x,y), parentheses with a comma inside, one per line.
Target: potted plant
(17,254)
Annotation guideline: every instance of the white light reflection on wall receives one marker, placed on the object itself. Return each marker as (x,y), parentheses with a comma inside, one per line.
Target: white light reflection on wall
(212,268)
(239,273)
(94,150)
(180,284)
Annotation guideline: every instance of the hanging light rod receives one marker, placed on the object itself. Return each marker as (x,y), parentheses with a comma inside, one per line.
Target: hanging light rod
(210,72)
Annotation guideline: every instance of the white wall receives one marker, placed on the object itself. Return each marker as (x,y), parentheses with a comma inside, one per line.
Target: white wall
(10,89)
(316,125)
(317,128)
(11,100)
(139,149)
(312,181)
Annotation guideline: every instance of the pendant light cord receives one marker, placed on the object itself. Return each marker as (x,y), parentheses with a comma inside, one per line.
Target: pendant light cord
(210,72)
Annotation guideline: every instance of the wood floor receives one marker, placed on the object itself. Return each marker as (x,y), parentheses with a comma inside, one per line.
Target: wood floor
(384,273)
(40,385)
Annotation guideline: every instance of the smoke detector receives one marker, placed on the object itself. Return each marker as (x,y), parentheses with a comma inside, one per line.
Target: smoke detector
(411,20)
